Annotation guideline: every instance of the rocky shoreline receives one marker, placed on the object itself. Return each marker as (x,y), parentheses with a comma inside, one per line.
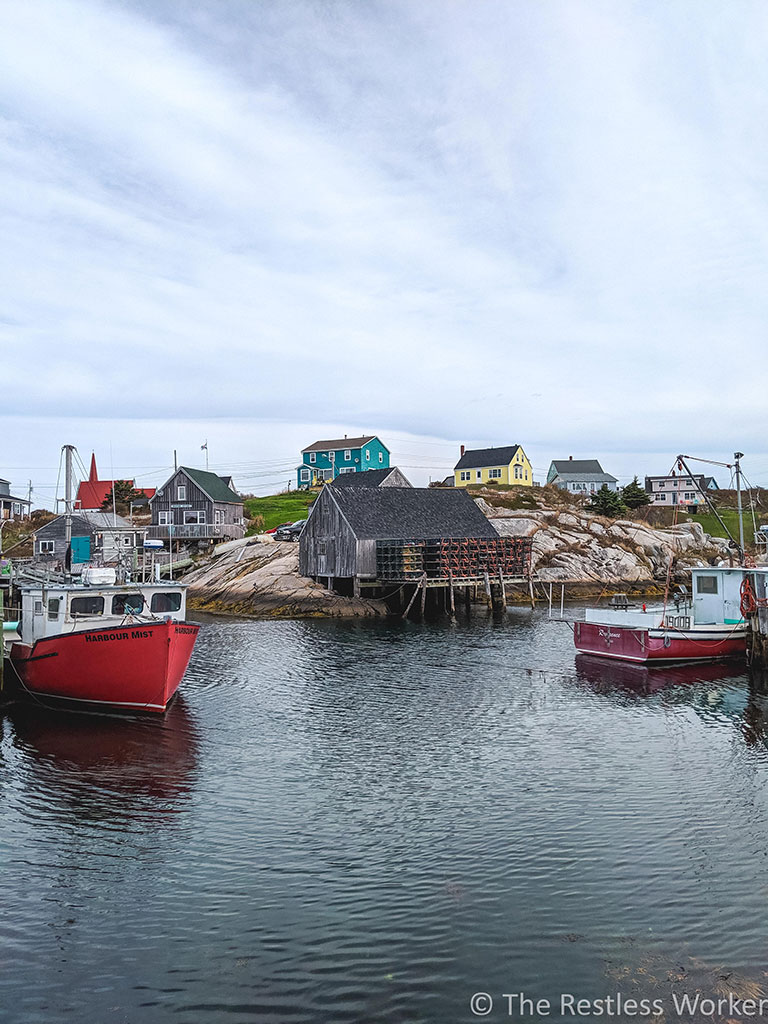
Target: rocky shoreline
(590,555)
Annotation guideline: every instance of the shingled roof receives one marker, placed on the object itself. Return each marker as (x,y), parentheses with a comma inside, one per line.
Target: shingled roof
(480,457)
(412,513)
(213,485)
(338,443)
(366,478)
(589,469)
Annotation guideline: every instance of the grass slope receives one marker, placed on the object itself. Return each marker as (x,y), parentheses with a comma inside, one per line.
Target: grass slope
(276,509)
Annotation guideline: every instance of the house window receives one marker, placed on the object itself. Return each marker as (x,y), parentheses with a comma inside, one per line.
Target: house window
(332,456)
(321,547)
(164,518)
(518,473)
(305,475)
(526,474)
(381,456)
(367,456)
(465,474)
(16,508)
(53,607)
(126,540)
(479,474)
(690,495)
(193,518)
(660,497)
(218,517)
(313,457)
(46,547)
(86,606)
(181,492)
(495,474)
(347,454)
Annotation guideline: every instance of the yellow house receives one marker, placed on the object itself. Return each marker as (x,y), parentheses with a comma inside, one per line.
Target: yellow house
(507,465)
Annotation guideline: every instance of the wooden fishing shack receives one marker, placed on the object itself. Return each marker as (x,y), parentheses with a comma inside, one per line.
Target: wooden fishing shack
(400,540)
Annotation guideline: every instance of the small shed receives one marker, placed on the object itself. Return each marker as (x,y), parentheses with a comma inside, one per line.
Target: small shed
(96,536)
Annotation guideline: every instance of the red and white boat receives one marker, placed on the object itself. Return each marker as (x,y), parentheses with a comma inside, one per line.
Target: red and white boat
(705,626)
(103,646)
(94,643)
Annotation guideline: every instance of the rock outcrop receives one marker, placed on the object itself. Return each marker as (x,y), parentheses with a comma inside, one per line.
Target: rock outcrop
(579,547)
(250,577)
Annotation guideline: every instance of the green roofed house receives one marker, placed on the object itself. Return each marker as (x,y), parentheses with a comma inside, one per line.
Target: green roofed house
(194,504)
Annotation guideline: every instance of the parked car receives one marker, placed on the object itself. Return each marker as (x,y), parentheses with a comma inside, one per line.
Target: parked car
(282,526)
(290,532)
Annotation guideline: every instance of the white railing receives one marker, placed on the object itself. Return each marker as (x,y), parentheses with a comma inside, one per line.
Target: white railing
(197,531)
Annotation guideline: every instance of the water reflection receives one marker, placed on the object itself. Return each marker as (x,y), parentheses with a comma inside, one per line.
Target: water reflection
(100,767)
(605,675)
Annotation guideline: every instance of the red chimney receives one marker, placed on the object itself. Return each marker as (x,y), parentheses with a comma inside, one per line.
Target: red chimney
(570,458)
(462,449)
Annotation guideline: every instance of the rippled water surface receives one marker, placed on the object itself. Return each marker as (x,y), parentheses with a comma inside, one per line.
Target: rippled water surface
(354,822)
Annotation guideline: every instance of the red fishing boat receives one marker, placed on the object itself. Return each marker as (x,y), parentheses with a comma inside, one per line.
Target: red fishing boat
(92,642)
(108,646)
(706,626)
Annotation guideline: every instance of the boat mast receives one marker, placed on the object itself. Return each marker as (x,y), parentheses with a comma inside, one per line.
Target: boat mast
(68,449)
(737,470)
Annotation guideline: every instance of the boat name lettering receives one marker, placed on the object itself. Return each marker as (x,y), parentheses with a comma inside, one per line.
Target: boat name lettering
(134,634)
(608,635)
(186,629)
(140,634)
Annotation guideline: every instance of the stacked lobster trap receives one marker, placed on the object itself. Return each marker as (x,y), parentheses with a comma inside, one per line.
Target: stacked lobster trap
(460,558)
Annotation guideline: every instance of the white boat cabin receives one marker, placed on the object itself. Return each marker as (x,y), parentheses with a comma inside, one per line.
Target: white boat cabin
(71,607)
(714,600)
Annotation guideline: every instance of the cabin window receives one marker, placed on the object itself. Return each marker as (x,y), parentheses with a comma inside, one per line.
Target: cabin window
(126,540)
(181,492)
(86,606)
(347,454)
(706,584)
(321,547)
(165,602)
(218,516)
(38,607)
(165,518)
(53,607)
(193,518)
(46,547)
(313,457)
(127,604)
(305,474)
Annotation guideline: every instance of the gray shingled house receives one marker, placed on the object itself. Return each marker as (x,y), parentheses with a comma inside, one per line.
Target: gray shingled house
(580,476)
(99,537)
(194,504)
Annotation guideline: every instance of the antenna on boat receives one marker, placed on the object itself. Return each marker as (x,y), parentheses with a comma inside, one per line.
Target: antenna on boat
(727,465)
(737,471)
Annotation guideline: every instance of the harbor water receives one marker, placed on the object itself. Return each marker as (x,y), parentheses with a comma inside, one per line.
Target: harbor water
(374,822)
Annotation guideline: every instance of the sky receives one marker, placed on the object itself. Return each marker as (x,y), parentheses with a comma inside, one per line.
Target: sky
(258,223)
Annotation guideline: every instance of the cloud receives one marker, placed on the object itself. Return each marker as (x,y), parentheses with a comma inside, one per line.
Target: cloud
(520,222)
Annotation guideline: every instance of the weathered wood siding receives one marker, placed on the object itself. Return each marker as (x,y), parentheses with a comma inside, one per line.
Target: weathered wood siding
(396,479)
(327,546)
(196,500)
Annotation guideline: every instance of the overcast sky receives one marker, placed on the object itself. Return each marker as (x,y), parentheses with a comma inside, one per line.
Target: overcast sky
(484,221)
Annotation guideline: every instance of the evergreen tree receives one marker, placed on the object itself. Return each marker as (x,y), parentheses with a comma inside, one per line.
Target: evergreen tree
(634,496)
(125,493)
(607,503)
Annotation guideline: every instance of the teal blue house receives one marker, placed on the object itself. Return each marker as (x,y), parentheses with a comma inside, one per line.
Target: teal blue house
(325,460)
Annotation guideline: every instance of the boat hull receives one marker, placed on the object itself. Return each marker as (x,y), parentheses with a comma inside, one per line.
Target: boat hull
(634,643)
(134,668)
